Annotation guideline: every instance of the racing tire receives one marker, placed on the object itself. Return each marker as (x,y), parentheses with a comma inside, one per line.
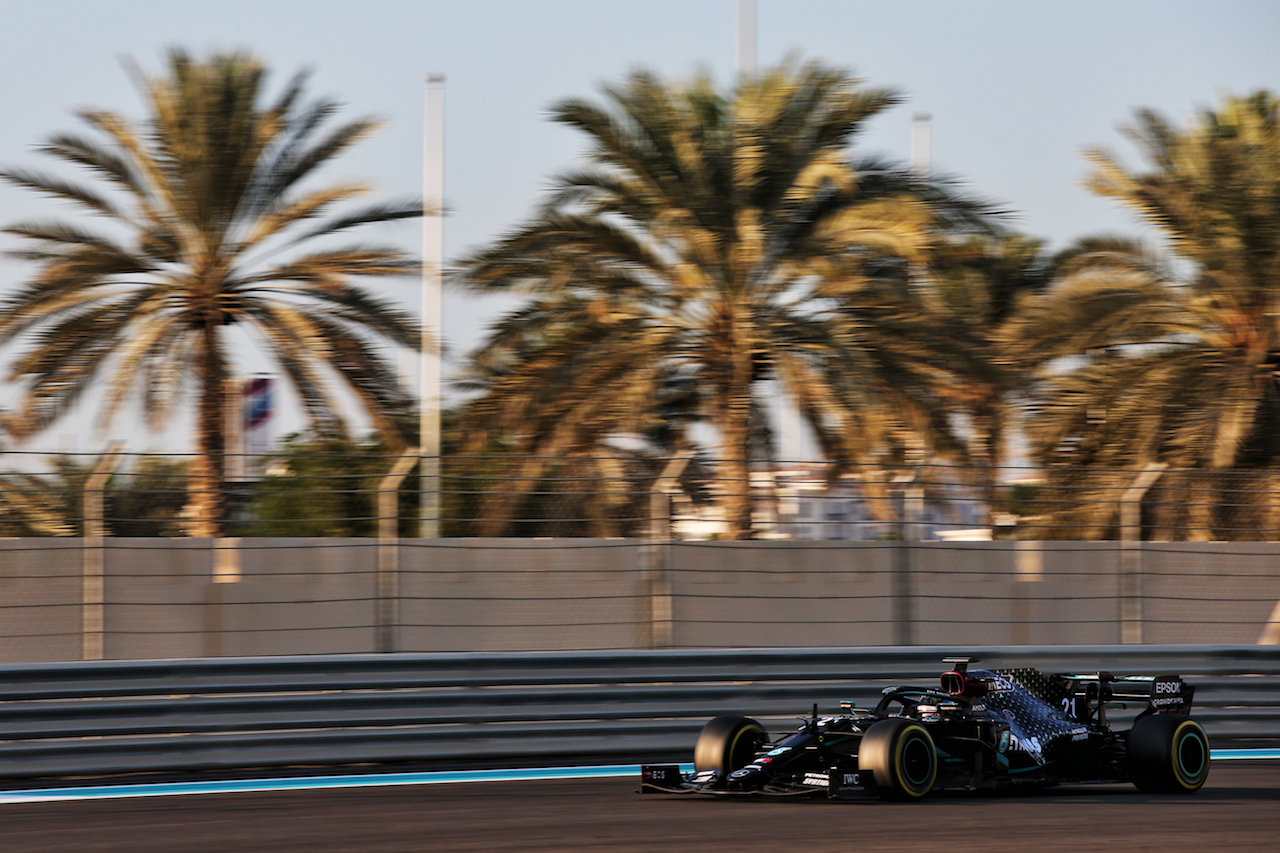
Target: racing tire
(727,743)
(901,757)
(1168,754)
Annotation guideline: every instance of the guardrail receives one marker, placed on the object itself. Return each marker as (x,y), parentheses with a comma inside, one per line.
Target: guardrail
(452,711)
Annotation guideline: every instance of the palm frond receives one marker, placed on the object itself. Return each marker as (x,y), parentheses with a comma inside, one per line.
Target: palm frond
(56,187)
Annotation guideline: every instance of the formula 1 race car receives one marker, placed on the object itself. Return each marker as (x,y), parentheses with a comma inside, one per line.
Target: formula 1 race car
(982,729)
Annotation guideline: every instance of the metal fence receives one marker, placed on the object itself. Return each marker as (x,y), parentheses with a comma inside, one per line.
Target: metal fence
(309,492)
(449,711)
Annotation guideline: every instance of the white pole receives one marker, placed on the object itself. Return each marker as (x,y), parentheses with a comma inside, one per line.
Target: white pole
(921,143)
(921,166)
(432,265)
(746,37)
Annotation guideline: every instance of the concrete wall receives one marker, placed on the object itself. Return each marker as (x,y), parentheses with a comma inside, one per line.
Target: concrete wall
(792,594)
(729,594)
(1209,592)
(40,595)
(502,594)
(196,598)
(200,598)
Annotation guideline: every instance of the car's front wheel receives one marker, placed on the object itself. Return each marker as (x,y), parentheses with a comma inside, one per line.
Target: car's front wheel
(1168,754)
(727,743)
(901,757)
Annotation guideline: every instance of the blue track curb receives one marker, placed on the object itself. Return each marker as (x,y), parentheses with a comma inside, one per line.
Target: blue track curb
(372,780)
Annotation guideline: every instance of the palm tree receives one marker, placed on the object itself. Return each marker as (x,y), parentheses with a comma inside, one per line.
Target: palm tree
(711,244)
(1170,359)
(975,284)
(211,221)
(43,504)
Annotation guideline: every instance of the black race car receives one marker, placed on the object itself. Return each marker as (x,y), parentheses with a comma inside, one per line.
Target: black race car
(981,729)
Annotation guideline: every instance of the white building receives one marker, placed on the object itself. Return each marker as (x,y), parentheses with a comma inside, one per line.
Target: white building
(798,502)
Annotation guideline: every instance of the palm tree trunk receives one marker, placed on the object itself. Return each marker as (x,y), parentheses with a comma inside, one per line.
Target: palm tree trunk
(987,453)
(500,504)
(207,485)
(736,430)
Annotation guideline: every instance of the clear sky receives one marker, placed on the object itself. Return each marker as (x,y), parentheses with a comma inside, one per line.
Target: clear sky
(1016,89)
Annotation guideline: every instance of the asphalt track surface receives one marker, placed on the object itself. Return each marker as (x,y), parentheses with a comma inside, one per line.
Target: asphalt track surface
(1239,809)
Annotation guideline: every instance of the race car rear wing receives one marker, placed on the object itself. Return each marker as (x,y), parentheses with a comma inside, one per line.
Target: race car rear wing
(1162,693)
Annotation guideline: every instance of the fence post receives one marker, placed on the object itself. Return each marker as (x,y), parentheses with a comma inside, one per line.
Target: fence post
(1131,552)
(659,624)
(388,595)
(93,581)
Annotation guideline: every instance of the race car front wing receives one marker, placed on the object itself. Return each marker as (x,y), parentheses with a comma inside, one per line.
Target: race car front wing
(836,783)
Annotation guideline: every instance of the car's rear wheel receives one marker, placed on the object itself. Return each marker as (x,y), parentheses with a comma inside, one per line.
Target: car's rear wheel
(1168,754)
(727,743)
(901,757)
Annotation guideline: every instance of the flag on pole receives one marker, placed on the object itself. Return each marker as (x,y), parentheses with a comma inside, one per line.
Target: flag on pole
(259,406)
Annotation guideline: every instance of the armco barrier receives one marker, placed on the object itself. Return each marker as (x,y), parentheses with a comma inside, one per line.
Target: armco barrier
(502,709)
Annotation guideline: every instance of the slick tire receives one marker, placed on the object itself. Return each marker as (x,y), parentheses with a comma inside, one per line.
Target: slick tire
(901,757)
(727,743)
(1168,754)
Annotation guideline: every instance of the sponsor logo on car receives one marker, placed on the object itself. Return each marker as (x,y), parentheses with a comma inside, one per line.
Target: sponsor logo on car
(1029,745)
